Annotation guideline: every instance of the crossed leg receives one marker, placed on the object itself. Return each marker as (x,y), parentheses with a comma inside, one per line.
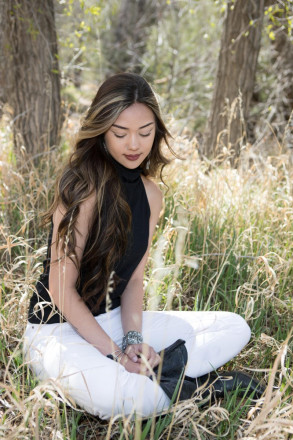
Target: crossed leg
(103,387)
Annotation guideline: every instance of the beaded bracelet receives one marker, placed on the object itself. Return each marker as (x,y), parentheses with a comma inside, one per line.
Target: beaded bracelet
(115,355)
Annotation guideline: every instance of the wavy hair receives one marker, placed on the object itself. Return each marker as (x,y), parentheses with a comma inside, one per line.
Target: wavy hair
(89,171)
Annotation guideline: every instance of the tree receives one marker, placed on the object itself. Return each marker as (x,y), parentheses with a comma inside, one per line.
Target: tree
(129,35)
(280,32)
(240,44)
(283,66)
(31,80)
(3,98)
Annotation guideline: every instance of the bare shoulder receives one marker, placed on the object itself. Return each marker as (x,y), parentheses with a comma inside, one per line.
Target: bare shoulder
(86,209)
(154,195)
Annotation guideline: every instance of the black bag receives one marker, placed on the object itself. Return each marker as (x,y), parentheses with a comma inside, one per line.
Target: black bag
(172,379)
(170,373)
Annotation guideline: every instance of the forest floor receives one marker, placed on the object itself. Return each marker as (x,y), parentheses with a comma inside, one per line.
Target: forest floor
(224,242)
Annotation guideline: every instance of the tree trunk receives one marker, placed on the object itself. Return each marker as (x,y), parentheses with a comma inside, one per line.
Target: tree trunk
(283,65)
(3,72)
(32,80)
(129,38)
(234,85)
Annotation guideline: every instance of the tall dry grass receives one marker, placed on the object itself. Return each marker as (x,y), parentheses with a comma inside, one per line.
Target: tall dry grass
(224,242)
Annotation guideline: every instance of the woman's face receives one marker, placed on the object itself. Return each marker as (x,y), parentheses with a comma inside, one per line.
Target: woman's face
(131,137)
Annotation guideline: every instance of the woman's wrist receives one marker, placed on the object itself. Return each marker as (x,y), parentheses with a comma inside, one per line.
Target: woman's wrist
(115,355)
(131,337)
(119,357)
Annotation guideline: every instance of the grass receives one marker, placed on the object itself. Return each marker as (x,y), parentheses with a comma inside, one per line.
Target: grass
(224,242)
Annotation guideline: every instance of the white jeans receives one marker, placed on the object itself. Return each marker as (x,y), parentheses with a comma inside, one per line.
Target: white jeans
(103,387)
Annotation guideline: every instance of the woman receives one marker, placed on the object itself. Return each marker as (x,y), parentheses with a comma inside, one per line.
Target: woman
(86,326)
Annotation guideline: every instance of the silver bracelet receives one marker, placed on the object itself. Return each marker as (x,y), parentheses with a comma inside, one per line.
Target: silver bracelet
(131,337)
(115,356)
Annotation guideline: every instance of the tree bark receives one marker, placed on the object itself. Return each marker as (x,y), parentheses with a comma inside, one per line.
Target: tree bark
(283,65)
(234,84)
(32,79)
(129,37)
(3,98)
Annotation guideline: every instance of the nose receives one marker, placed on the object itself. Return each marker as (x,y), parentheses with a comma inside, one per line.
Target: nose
(133,142)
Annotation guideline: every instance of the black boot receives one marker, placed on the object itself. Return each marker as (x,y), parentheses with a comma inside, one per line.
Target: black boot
(216,384)
(172,380)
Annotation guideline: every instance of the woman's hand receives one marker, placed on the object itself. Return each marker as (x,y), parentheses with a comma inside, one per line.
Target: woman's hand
(144,355)
(134,367)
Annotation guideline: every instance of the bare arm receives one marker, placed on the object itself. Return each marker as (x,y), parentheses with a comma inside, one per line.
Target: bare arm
(62,282)
(132,298)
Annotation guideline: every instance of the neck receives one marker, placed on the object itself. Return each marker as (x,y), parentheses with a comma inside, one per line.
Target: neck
(127,174)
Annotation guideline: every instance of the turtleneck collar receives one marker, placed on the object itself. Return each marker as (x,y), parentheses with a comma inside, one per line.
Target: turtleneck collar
(126,174)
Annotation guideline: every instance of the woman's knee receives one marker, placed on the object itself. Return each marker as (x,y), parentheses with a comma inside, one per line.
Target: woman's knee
(94,389)
(240,326)
(139,395)
(126,395)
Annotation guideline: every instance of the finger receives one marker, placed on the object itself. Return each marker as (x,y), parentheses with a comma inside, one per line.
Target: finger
(130,352)
(123,359)
(144,370)
(141,350)
(154,356)
(155,359)
(146,350)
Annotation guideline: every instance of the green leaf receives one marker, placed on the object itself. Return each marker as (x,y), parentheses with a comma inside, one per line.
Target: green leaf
(94,10)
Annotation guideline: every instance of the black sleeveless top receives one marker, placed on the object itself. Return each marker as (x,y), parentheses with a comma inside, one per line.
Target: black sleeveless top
(41,309)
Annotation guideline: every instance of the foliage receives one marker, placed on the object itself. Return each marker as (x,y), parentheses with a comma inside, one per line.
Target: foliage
(180,58)
(279,15)
(224,242)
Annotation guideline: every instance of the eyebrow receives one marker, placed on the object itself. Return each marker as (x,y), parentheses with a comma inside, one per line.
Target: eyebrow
(125,128)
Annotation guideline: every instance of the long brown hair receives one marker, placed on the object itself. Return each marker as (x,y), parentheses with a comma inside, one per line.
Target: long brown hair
(89,171)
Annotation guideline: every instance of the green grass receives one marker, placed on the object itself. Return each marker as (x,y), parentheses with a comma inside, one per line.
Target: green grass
(224,242)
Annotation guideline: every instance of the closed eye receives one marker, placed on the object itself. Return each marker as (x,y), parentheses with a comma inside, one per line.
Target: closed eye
(145,135)
(120,136)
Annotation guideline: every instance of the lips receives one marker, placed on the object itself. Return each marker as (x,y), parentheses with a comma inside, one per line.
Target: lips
(132,156)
